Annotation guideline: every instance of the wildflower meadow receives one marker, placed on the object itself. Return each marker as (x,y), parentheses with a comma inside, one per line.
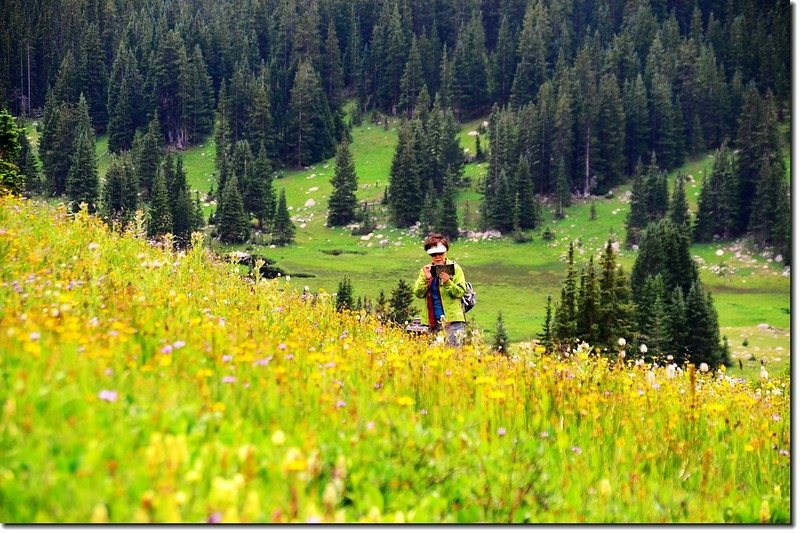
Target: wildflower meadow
(139,384)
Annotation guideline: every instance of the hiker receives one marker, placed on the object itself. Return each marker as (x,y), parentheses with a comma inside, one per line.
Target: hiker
(443,293)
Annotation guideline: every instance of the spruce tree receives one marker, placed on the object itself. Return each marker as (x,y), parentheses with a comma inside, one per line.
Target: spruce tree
(120,190)
(232,223)
(546,336)
(311,132)
(470,89)
(679,205)
(342,202)
(160,215)
(448,212)
(333,70)
(412,81)
(121,124)
(429,216)
(609,162)
(404,184)
(637,216)
(344,295)
(261,124)
(83,180)
(28,164)
(11,179)
(533,41)
(282,226)
(702,339)
(770,211)
(222,138)
(400,303)
(501,341)
(149,155)
(262,193)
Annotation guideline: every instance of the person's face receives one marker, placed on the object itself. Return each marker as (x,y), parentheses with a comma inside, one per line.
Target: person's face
(439,259)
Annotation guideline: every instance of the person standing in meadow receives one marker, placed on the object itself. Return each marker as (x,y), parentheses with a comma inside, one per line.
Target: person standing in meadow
(443,292)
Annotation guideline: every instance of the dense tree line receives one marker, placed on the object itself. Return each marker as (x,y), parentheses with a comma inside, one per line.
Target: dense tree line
(662,304)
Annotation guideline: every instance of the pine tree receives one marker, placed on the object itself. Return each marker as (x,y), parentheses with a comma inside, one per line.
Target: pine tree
(702,334)
(342,202)
(282,226)
(120,191)
(400,303)
(588,306)
(470,90)
(679,205)
(546,336)
(200,98)
(262,193)
(148,156)
(332,72)
(448,212)
(182,209)
(28,164)
(657,191)
(93,76)
(83,180)
(770,206)
(503,63)
(389,57)
(222,138)
(565,321)
(380,305)
(404,184)
(412,81)
(636,122)
(532,52)
(310,136)
(501,341)
(430,214)
(160,220)
(232,223)
(529,210)
(609,163)
(637,216)
(563,194)
(344,295)
(260,126)
(11,179)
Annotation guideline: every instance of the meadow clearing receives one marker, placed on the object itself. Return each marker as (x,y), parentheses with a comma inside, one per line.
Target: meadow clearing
(143,385)
(750,288)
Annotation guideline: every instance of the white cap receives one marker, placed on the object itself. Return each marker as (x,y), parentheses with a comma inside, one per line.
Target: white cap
(438,249)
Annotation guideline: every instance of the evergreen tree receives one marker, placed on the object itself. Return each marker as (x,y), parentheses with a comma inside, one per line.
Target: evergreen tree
(565,321)
(182,209)
(563,194)
(546,336)
(679,205)
(470,90)
(637,216)
(400,304)
(282,226)
(262,193)
(412,81)
(533,41)
(702,333)
(609,164)
(342,202)
(83,180)
(160,216)
(588,306)
(389,57)
(200,98)
(501,341)
(771,208)
(529,209)
(222,138)
(430,214)
(333,70)
(93,77)
(260,126)
(27,163)
(448,212)
(380,305)
(311,131)
(637,122)
(344,295)
(502,64)
(232,223)
(404,184)
(120,191)
(11,179)
(148,156)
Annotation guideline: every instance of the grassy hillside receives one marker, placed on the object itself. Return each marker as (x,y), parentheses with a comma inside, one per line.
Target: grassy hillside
(749,290)
(143,385)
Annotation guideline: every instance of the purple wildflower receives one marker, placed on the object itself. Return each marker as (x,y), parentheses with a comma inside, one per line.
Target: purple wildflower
(341,403)
(228,379)
(215,518)
(501,431)
(264,362)
(178,344)
(109,372)
(370,425)
(282,346)
(167,349)
(227,358)
(785,453)
(108,395)
(35,336)
(330,364)
(576,450)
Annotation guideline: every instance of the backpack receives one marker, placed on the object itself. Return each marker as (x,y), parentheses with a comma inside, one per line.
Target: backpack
(469,299)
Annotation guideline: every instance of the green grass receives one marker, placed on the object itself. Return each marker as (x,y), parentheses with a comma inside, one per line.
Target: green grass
(513,278)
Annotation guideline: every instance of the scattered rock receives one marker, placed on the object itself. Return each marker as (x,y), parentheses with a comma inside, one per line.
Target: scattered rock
(310,203)
(764,326)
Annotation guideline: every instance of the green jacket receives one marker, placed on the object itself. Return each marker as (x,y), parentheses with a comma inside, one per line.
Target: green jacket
(451,294)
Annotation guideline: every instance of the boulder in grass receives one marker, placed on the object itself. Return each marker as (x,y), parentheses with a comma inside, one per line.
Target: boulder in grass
(310,202)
